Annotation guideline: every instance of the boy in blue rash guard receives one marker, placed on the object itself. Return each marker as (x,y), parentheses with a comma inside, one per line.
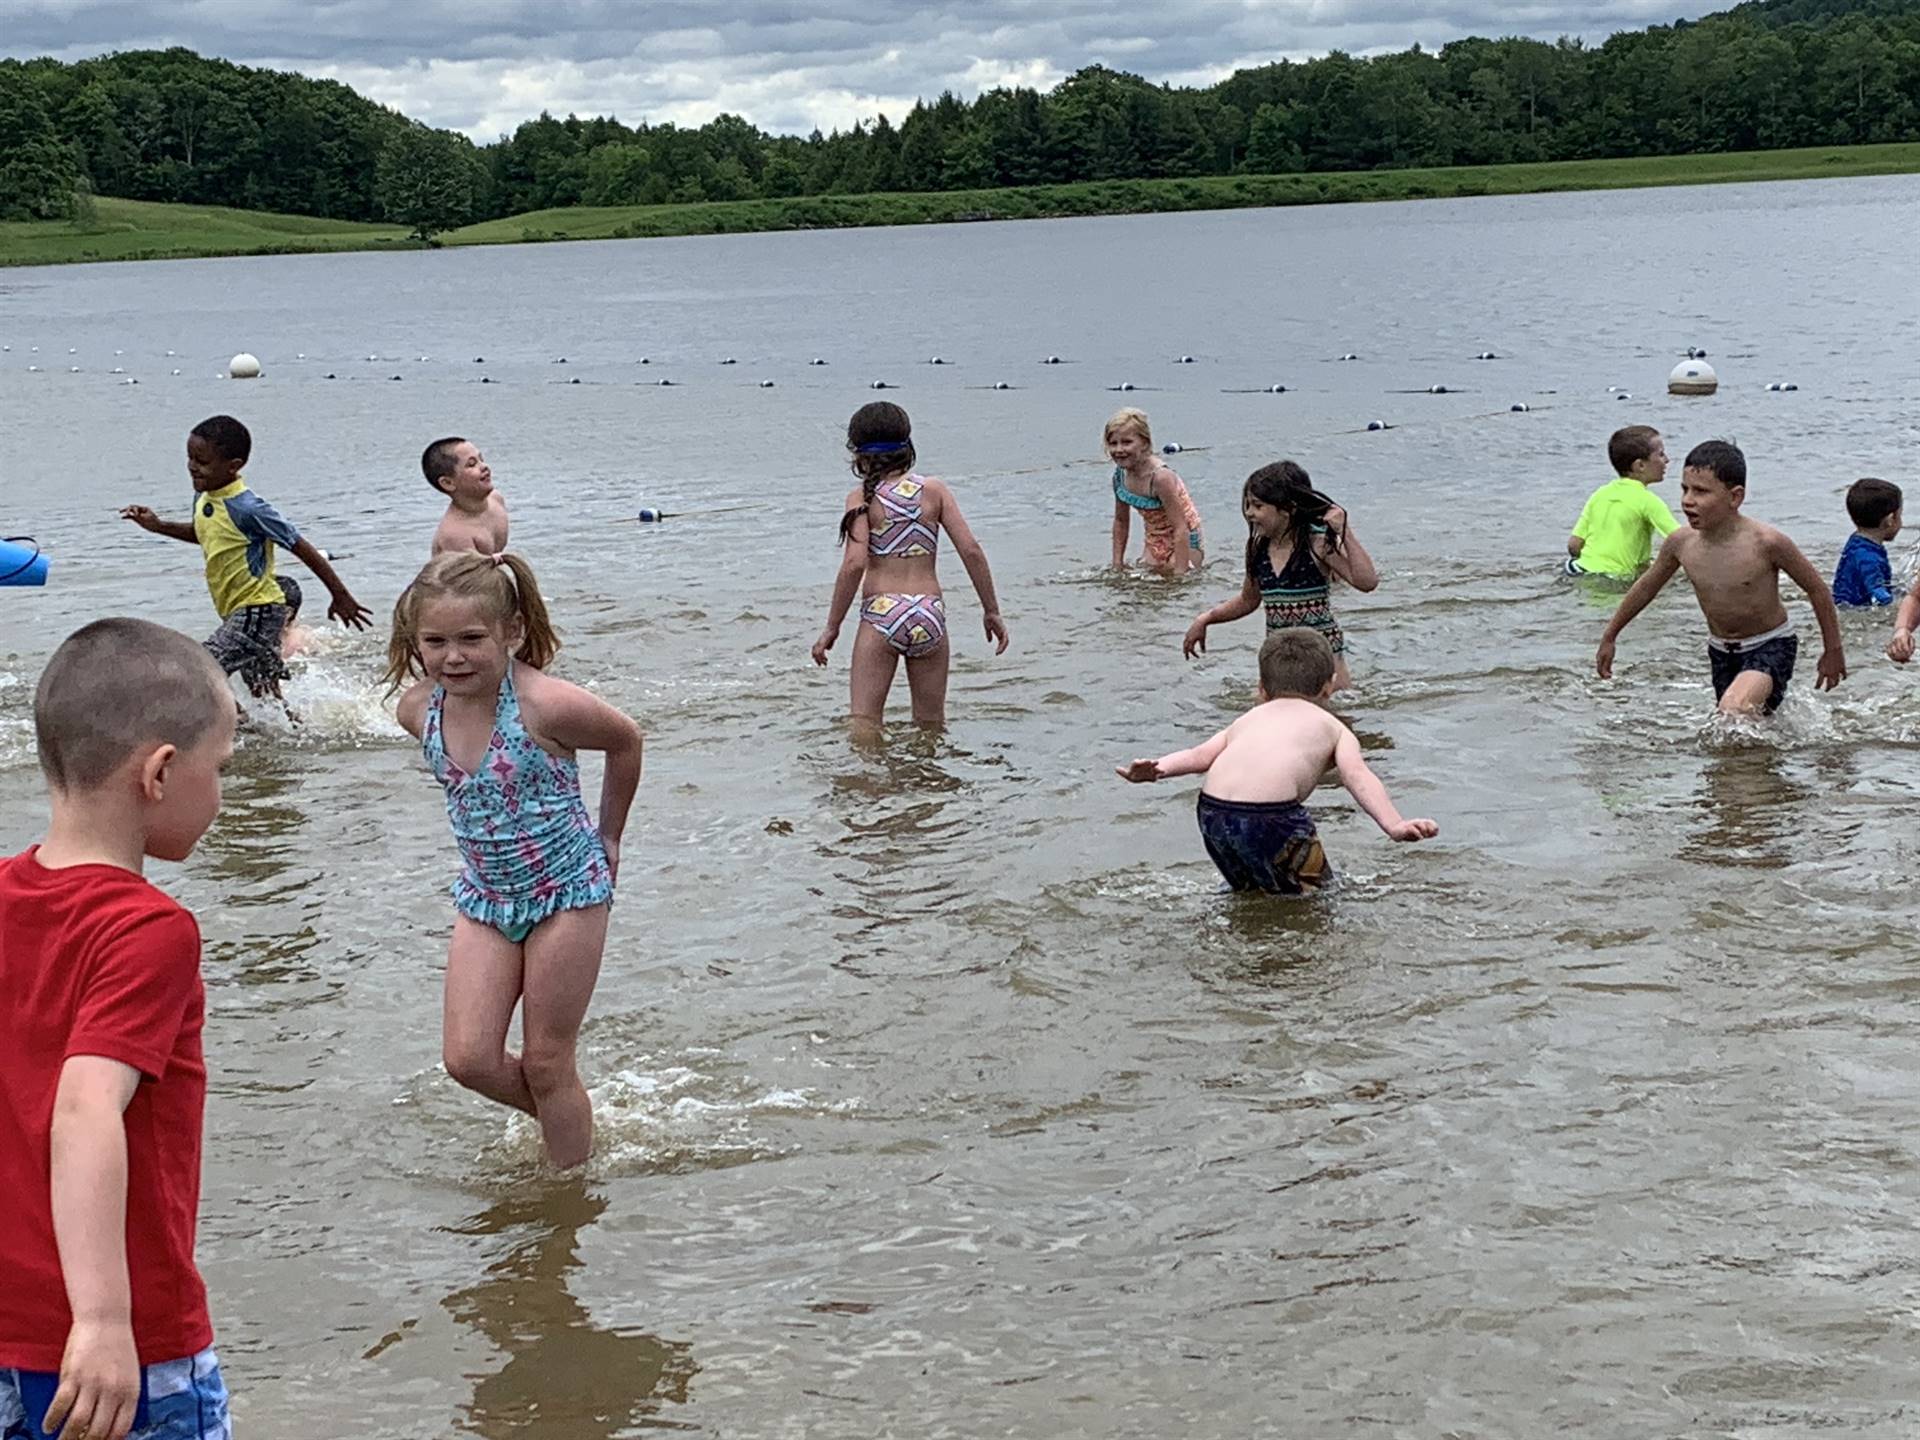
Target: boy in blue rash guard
(1864,575)
(1260,768)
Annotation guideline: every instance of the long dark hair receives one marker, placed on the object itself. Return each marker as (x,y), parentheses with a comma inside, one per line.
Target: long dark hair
(1285,486)
(879,444)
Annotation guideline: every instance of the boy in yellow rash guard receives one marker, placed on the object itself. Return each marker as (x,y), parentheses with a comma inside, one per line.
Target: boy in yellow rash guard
(1615,532)
(236,531)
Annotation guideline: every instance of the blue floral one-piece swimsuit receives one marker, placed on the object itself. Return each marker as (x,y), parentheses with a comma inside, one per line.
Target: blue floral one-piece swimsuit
(530,848)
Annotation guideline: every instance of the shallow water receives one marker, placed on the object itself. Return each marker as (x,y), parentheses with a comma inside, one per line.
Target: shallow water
(940,1093)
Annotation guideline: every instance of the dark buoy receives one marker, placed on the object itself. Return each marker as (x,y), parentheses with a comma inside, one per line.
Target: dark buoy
(1438,390)
(393,377)
(1001,385)
(643,360)
(479,359)
(729,361)
(561,361)
(1171,448)
(331,376)
(1276,389)
(484,379)
(574,381)
(880,385)
(1519,409)
(937,360)
(649,515)
(1378,425)
(1349,356)
(816,360)
(663,382)
(766,384)
(1486,355)
(1052,360)
(1184,360)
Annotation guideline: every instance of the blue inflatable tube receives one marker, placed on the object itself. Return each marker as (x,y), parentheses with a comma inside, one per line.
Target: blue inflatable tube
(21,562)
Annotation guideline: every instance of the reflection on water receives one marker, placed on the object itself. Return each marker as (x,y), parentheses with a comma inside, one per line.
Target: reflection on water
(1751,810)
(565,1378)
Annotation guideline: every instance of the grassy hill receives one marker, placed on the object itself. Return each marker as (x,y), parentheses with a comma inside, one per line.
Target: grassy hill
(138,230)
(145,230)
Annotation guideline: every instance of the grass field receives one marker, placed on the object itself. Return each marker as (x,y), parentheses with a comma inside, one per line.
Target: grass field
(144,230)
(136,230)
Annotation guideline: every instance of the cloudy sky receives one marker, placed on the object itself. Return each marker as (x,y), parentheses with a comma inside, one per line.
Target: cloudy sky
(482,66)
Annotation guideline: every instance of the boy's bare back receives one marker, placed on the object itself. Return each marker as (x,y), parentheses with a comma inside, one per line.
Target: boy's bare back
(1275,753)
(462,530)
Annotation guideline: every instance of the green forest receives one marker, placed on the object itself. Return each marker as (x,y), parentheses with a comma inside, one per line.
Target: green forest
(176,127)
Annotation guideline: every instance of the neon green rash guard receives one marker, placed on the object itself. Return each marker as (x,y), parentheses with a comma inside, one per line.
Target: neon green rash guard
(1618,524)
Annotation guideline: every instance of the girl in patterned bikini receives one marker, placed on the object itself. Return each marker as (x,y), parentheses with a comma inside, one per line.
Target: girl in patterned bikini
(1143,482)
(890,534)
(502,736)
(1298,540)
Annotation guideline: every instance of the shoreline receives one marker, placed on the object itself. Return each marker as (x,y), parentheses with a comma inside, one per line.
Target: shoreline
(146,230)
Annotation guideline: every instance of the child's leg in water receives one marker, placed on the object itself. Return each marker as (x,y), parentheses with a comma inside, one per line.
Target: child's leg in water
(874,662)
(927,683)
(1342,677)
(1748,694)
(484,971)
(562,964)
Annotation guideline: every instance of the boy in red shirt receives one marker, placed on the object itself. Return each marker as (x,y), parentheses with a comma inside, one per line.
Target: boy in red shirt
(104,1331)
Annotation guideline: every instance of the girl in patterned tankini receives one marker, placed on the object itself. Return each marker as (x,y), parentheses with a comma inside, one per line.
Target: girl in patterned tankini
(502,736)
(890,534)
(1143,482)
(1298,540)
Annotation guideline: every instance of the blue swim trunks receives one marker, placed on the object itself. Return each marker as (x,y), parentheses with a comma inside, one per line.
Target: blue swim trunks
(179,1400)
(1264,847)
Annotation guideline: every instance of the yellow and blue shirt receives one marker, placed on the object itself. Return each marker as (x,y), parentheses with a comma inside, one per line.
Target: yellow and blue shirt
(237,531)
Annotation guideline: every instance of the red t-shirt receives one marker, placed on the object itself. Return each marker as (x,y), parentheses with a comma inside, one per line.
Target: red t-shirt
(95,961)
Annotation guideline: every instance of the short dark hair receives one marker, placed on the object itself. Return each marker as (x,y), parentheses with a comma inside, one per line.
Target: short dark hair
(1722,458)
(437,462)
(229,438)
(115,686)
(1870,501)
(1295,661)
(1629,446)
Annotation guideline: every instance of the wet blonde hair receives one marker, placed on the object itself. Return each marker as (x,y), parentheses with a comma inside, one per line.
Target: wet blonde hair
(1128,418)
(504,587)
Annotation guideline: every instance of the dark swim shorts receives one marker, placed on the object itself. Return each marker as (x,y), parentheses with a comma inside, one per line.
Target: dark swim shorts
(1264,847)
(1773,658)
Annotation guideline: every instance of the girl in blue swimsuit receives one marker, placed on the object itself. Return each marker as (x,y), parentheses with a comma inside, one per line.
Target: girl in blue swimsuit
(890,534)
(1298,541)
(502,736)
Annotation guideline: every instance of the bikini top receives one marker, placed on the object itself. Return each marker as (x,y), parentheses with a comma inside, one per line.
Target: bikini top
(903,535)
(1300,575)
(1129,497)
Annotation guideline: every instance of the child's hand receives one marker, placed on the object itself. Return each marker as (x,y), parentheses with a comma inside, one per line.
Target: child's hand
(1603,660)
(612,847)
(141,516)
(824,644)
(996,632)
(1140,772)
(349,611)
(99,1383)
(1900,648)
(1196,641)
(1413,830)
(1833,668)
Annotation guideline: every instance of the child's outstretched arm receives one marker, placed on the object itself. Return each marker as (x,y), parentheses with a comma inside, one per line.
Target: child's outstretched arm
(100,1370)
(1664,566)
(344,608)
(1833,659)
(582,721)
(1900,647)
(1371,795)
(1196,761)
(1243,604)
(1122,528)
(146,519)
(1350,562)
(975,559)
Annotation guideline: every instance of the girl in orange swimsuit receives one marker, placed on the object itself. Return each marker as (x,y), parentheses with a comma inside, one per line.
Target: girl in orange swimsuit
(890,536)
(1141,481)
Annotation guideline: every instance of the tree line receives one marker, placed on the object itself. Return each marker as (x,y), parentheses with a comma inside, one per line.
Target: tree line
(176,126)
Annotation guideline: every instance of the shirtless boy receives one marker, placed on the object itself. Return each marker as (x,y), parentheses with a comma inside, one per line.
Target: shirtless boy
(1260,768)
(476,517)
(1735,564)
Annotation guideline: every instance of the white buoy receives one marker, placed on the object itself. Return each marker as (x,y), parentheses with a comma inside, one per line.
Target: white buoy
(1051,360)
(1124,385)
(130,381)
(1001,385)
(561,360)
(1519,409)
(243,367)
(766,384)
(372,358)
(879,385)
(665,382)
(1438,390)
(1692,377)
(301,356)
(1185,360)
(169,354)
(176,372)
(422,360)
(72,351)
(936,360)
(33,369)
(1780,385)
(119,352)
(1486,355)
(118,370)
(1276,389)
(816,360)
(73,369)
(1623,395)
(1349,356)
(1376,424)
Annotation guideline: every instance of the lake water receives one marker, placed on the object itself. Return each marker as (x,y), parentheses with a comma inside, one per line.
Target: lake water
(940,1092)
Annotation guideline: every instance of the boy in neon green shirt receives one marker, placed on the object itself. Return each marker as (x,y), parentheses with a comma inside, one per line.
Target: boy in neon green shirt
(1615,532)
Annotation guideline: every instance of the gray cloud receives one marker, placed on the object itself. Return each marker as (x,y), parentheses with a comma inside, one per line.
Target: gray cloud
(482,66)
